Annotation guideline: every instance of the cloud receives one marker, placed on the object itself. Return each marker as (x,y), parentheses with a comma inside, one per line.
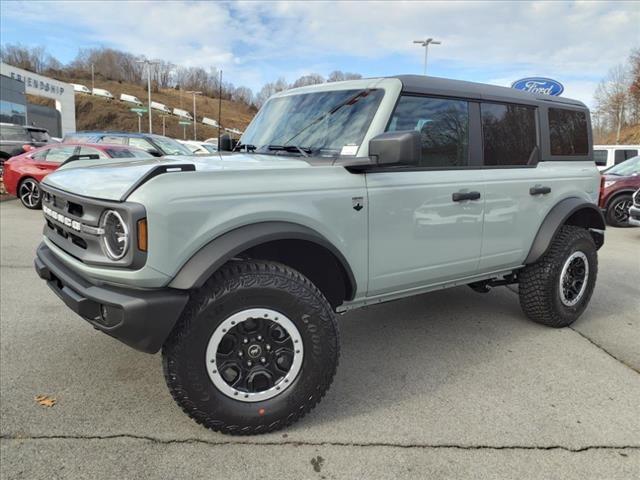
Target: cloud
(255,42)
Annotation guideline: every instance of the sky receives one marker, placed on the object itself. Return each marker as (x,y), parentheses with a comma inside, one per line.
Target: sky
(255,42)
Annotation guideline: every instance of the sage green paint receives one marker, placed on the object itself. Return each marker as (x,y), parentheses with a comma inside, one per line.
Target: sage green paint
(409,238)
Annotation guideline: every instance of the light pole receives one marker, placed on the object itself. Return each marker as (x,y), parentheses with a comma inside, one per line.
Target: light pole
(425,44)
(194,93)
(148,63)
(93,83)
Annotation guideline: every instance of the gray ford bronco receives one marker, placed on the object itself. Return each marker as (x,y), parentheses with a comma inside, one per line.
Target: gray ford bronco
(337,196)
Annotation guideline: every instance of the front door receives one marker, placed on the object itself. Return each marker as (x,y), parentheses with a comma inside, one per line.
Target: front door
(425,221)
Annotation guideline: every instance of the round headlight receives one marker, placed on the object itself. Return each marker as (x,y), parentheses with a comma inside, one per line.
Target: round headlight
(116,235)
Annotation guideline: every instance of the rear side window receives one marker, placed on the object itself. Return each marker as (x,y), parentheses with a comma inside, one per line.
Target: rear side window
(509,134)
(126,153)
(443,125)
(600,157)
(60,154)
(568,132)
(40,135)
(622,155)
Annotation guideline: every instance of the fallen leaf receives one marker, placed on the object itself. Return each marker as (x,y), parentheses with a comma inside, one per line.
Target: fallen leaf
(46,400)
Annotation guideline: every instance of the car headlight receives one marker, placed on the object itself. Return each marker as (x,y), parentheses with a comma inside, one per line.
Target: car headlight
(608,183)
(115,236)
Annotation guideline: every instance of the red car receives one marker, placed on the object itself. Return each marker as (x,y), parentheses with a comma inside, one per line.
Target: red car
(618,184)
(23,173)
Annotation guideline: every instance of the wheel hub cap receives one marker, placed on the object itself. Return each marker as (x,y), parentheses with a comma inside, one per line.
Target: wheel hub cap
(573,279)
(254,355)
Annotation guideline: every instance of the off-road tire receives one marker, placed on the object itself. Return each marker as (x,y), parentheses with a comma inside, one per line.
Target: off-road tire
(610,215)
(237,286)
(539,288)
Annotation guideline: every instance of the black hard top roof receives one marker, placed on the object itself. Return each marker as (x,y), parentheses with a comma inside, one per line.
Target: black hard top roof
(423,84)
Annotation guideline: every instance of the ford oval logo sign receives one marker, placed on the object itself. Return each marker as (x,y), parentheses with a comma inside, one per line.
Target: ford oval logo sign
(544,86)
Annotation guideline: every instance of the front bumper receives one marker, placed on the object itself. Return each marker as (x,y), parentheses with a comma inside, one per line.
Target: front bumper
(634,216)
(141,319)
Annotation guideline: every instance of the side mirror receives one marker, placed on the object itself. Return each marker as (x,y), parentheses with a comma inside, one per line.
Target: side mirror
(154,152)
(226,145)
(396,148)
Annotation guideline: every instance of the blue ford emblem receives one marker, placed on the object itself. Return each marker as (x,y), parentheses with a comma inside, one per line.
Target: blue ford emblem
(541,85)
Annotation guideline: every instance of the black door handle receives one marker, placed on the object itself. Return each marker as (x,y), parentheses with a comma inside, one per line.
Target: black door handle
(539,190)
(460,196)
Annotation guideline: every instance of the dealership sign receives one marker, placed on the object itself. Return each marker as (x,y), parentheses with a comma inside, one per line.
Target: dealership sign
(544,86)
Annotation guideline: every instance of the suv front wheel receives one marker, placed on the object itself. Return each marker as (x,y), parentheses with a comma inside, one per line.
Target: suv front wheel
(255,349)
(557,288)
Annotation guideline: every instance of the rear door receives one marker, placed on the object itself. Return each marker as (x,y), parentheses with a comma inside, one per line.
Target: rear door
(529,170)
(421,232)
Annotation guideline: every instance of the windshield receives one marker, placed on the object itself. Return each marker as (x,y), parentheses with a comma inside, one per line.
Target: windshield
(171,147)
(628,167)
(320,122)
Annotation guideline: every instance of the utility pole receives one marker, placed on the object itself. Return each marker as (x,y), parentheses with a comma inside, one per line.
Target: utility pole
(219,109)
(93,83)
(194,93)
(148,63)
(620,117)
(163,126)
(425,44)
(139,123)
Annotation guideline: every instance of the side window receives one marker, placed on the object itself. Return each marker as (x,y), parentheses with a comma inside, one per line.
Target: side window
(141,143)
(112,139)
(443,125)
(622,155)
(12,133)
(568,132)
(509,134)
(92,151)
(60,154)
(600,157)
(41,155)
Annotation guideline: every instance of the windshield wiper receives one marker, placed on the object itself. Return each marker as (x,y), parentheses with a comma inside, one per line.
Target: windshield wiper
(304,151)
(248,147)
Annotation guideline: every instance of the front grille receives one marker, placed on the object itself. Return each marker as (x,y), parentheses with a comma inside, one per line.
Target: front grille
(72,223)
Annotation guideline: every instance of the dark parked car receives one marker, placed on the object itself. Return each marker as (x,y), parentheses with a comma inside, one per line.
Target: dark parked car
(156,145)
(14,138)
(619,183)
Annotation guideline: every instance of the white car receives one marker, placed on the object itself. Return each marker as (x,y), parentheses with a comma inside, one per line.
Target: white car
(607,156)
(124,97)
(81,88)
(210,121)
(182,113)
(160,107)
(101,92)
(200,147)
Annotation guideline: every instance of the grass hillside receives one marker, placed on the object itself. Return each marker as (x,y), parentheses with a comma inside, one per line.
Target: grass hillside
(628,136)
(97,113)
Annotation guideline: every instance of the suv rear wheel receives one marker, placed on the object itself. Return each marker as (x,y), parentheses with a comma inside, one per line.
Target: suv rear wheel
(254,351)
(557,288)
(618,211)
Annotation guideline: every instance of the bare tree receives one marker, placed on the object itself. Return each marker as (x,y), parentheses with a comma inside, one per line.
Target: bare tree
(311,79)
(339,76)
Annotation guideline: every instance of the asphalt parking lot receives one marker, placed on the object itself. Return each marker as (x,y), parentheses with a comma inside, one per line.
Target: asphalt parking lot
(453,384)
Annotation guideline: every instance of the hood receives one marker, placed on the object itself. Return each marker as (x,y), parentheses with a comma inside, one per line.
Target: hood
(115,181)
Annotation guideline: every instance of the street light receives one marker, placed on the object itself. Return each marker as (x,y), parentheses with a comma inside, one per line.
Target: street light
(194,93)
(93,84)
(148,63)
(425,44)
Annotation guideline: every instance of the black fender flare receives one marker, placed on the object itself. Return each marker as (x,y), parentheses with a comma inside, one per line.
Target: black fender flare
(570,211)
(195,272)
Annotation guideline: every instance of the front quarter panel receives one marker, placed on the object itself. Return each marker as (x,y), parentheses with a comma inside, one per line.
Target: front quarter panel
(186,211)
